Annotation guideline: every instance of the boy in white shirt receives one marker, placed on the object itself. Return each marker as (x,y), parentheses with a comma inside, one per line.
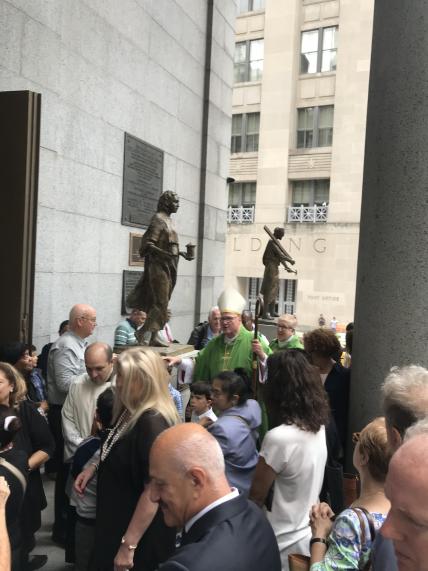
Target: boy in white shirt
(200,402)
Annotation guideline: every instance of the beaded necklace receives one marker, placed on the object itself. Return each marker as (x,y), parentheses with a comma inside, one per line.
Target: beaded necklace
(114,435)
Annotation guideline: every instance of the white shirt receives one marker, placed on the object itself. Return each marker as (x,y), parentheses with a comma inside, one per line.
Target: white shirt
(233,494)
(78,412)
(298,457)
(208,413)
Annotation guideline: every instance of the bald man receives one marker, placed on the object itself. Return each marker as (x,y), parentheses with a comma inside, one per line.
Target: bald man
(65,362)
(220,528)
(407,489)
(79,406)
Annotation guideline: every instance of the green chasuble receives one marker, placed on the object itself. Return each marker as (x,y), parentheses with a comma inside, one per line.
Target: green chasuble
(292,343)
(217,356)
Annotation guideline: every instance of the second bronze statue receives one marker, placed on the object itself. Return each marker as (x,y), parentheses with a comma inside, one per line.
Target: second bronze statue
(273,256)
(160,250)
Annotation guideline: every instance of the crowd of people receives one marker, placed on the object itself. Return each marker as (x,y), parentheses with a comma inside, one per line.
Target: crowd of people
(232,483)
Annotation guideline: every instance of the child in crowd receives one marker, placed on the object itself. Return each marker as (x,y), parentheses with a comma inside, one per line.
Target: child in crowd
(87,453)
(200,402)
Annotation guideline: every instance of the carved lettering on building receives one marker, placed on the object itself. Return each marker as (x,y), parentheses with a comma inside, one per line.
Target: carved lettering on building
(297,245)
(256,244)
(320,245)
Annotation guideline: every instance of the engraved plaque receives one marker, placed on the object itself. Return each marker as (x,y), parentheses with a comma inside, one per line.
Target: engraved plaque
(142,181)
(129,281)
(134,250)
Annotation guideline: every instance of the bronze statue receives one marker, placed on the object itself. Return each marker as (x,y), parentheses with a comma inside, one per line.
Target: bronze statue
(160,249)
(274,255)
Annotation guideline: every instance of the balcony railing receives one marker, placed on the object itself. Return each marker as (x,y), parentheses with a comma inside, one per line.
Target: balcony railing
(307,213)
(240,214)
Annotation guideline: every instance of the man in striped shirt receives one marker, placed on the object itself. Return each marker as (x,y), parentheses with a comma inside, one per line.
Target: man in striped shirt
(125,331)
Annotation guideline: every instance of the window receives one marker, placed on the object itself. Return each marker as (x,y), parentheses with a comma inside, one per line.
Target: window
(310,192)
(245,133)
(315,127)
(318,50)
(242,194)
(248,60)
(286,300)
(250,5)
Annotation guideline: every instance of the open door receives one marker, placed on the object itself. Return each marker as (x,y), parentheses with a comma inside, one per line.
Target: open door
(19,151)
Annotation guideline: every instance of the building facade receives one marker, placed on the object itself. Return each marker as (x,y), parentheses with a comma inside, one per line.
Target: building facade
(298,133)
(159,71)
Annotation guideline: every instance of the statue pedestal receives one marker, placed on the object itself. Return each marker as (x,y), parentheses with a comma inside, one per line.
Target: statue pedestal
(174,350)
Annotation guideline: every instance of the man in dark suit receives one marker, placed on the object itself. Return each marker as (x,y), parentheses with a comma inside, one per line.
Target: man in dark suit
(221,530)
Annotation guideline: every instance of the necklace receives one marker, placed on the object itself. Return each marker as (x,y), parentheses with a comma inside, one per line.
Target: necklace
(114,435)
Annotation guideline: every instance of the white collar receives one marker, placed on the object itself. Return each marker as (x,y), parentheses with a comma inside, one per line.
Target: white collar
(233,494)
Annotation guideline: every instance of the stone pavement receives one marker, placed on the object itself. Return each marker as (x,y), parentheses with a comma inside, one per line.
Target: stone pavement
(44,542)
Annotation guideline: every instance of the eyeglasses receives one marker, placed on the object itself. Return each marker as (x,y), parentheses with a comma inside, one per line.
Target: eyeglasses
(227,319)
(356,437)
(284,327)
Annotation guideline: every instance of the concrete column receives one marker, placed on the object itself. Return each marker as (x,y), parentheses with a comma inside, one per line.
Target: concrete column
(391,315)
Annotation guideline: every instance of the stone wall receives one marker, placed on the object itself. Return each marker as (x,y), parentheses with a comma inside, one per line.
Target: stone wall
(105,68)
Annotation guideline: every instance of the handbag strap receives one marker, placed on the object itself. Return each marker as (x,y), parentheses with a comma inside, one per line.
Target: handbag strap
(359,511)
(14,470)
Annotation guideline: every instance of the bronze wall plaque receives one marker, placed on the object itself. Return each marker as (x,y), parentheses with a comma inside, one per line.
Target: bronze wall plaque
(129,281)
(134,250)
(142,181)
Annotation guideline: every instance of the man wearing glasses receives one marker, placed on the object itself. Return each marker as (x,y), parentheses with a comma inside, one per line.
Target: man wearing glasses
(286,334)
(66,361)
(234,347)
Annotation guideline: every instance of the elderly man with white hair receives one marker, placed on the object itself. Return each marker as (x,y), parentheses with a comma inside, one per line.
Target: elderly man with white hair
(407,489)
(220,528)
(207,330)
(405,402)
(66,362)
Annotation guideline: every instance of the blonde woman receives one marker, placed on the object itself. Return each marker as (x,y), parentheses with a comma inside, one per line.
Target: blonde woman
(347,543)
(143,408)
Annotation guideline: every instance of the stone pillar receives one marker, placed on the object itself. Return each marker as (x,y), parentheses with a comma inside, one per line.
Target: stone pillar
(391,314)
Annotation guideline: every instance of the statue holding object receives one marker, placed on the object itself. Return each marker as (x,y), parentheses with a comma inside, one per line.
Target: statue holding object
(160,250)
(273,256)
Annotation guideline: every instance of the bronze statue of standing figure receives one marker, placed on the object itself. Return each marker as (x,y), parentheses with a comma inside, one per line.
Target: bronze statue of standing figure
(273,256)
(160,250)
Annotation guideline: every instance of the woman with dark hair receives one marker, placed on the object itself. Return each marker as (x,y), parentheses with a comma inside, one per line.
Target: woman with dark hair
(294,453)
(36,440)
(323,346)
(13,467)
(236,426)
(20,356)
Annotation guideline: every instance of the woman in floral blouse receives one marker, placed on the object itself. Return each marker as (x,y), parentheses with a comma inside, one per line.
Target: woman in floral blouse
(347,543)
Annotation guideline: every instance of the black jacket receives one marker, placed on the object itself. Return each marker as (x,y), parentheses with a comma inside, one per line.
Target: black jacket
(198,337)
(231,537)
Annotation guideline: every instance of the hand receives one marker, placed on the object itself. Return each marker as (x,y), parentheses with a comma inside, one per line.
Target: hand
(4,491)
(320,520)
(83,478)
(258,349)
(124,559)
(172,361)
(44,406)
(205,421)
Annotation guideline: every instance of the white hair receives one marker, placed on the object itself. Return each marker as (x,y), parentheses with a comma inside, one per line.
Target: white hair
(405,396)
(421,427)
(211,311)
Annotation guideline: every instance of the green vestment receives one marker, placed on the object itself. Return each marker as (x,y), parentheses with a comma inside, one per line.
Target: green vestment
(218,356)
(292,343)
